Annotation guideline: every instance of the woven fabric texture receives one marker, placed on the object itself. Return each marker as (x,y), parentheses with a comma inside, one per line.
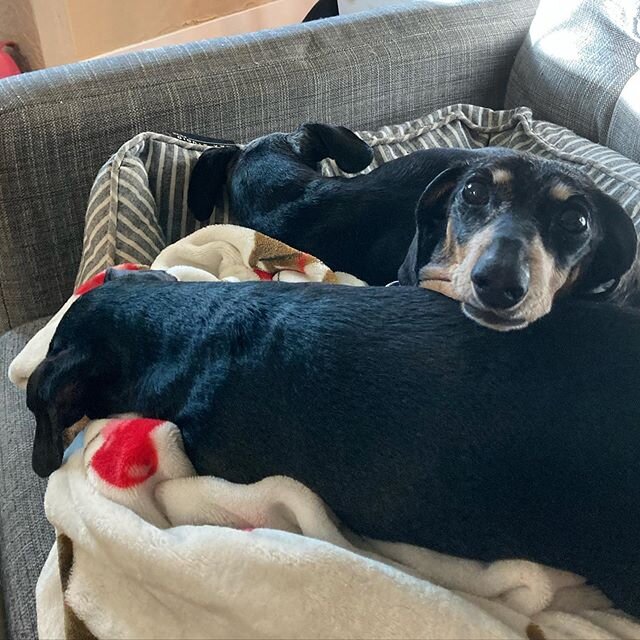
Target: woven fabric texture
(25,535)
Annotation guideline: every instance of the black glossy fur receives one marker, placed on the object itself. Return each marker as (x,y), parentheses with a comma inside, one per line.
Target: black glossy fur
(411,422)
(364,224)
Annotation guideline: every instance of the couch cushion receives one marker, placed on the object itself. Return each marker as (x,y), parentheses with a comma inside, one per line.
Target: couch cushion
(139,199)
(625,121)
(574,64)
(25,535)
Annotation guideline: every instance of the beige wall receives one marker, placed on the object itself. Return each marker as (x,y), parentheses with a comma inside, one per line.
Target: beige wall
(100,26)
(271,15)
(53,32)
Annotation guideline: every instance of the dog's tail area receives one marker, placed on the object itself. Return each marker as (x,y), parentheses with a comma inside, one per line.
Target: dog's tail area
(314,142)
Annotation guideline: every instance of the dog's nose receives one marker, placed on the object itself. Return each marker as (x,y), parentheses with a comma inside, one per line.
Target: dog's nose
(501,277)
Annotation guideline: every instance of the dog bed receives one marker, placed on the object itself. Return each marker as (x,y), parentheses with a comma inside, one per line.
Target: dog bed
(138,203)
(146,549)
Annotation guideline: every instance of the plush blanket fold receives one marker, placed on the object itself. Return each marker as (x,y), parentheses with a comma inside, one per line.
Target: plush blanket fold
(146,549)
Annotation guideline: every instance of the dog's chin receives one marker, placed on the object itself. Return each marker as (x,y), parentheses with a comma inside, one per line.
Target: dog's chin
(491,320)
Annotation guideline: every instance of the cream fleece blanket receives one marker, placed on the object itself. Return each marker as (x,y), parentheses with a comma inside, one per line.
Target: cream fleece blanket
(145,549)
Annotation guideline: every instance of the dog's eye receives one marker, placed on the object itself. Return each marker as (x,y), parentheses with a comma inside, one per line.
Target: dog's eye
(476,192)
(574,220)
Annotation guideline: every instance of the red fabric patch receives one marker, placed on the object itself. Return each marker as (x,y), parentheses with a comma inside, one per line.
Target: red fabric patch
(303,260)
(91,283)
(263,275)
(98,279)
(128,455)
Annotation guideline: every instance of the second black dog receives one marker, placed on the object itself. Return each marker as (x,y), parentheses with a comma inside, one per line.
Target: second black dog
(411,422)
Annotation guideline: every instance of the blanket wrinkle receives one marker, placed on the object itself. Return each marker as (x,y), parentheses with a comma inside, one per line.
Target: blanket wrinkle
(155,551)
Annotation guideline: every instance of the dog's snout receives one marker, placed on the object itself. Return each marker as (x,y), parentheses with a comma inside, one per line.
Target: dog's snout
(501,275)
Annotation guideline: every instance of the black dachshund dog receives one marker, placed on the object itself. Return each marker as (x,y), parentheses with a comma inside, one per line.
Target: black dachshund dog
(502,231)
(411,422)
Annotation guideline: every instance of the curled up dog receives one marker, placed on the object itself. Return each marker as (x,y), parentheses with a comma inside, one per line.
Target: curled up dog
(503,232)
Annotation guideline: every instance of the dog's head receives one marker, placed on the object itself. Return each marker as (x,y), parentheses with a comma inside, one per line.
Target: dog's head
(57,395)
(71,382)
(510,232)
(305,147)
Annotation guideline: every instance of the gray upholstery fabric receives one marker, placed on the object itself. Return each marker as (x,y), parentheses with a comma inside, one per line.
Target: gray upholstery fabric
(59,126)
(25,535)
(575,62)
(625,121)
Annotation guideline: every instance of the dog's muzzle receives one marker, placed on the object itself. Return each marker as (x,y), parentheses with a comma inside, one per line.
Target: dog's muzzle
(501,275)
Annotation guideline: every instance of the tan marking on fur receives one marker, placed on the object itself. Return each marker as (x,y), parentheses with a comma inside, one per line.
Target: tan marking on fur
(501,176)
(436,271)
(570,280)
(453,249)
(450,253)
(546,279)
(468,255)
(561,191)
(450,274)
(436,275)
(440,286)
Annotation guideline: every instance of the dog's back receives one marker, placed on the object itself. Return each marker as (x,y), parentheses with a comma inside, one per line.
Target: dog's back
(413,423)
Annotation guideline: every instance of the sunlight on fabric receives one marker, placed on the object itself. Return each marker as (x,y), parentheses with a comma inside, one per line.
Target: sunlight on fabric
(563,44)
(551,32)
(624,14)
(630,96)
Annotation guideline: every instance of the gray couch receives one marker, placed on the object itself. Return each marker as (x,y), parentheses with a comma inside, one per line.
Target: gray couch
(60,125)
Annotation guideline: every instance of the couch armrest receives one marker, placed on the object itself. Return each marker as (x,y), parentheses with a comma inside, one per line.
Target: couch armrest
(60,125)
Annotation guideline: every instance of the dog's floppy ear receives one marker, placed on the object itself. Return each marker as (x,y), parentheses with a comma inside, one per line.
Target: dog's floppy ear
(314,142)
(431,223)
(616,252)
(207,180)
(57,396)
